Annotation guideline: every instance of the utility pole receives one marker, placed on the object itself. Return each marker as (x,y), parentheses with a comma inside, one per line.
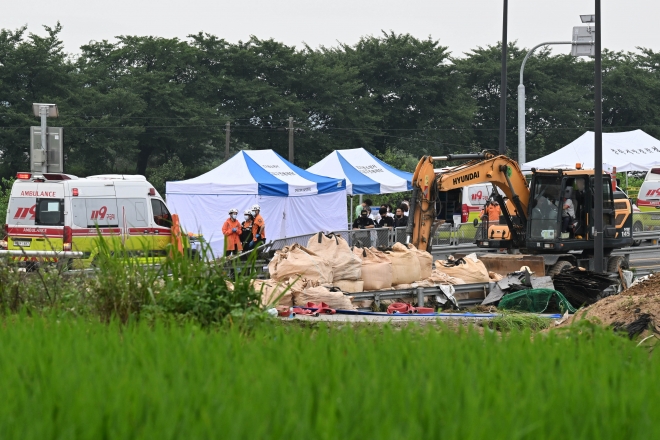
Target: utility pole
(503,81)
(291,139)
(227,139)
(598,147)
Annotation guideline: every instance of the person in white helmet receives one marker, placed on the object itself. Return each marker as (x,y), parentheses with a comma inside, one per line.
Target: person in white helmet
(232,232)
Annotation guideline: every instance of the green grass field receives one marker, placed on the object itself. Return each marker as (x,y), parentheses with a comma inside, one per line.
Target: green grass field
(74,378)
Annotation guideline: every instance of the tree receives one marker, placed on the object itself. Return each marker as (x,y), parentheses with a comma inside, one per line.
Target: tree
(144,90)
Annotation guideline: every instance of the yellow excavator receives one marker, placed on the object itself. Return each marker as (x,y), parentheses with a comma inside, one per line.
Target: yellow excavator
(534,220)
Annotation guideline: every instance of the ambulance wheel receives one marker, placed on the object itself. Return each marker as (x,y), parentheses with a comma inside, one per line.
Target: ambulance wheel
(637,227)
(31,266)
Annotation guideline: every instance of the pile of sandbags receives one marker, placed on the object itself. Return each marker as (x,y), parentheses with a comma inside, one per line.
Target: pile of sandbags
(405,265)
(296,260)
(376,268)
(469,269)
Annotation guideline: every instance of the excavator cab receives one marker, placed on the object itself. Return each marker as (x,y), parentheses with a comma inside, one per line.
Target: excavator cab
(561,212)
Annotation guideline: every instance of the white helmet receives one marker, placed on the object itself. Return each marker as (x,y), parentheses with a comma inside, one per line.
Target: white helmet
(233,211)
(247,212)
(256,208)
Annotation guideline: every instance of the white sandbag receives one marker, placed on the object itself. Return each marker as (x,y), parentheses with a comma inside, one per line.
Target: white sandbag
(425,261)
(296,260)
(470,269)
(335,250)
(335,300)
(350,286)
(376,269)
(405,265)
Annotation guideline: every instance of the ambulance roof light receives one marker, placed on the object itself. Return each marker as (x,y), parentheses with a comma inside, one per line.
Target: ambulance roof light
(23,176)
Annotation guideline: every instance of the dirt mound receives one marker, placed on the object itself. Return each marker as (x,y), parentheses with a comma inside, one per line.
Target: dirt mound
(625,308)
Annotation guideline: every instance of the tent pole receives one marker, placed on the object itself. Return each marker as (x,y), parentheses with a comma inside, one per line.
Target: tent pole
(627,190)
(351,196)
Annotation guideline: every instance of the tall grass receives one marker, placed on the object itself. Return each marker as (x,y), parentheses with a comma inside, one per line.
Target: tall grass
(127,285)
(79,379)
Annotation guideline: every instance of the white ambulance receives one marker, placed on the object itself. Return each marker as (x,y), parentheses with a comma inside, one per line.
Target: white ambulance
(648,198)
(51,213)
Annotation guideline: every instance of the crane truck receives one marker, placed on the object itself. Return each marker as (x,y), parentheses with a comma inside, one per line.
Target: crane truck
(531,223)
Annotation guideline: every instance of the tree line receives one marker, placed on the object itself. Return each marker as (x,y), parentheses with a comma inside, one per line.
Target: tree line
(158,106)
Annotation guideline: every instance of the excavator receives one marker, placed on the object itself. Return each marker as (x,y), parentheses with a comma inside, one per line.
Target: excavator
(531,225)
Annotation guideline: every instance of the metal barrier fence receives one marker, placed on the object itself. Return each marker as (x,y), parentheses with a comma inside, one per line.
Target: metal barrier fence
(445,235)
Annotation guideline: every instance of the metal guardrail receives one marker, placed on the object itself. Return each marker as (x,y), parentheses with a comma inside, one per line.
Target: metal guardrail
(36,254)
(420,293)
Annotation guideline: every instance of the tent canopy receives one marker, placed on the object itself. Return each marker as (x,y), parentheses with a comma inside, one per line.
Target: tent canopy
(262,172)
(293,201)
(627,151)
(364,173)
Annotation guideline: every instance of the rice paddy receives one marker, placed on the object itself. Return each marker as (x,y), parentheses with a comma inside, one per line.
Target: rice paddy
(78,378)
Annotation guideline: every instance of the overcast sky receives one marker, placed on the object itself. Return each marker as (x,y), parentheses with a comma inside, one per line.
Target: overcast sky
(460,24)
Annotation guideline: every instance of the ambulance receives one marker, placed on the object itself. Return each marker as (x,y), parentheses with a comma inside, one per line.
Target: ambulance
(52,213)
(648,198)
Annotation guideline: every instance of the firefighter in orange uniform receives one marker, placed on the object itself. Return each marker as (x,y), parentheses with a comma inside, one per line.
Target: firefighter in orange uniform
(232,232)
(258,227)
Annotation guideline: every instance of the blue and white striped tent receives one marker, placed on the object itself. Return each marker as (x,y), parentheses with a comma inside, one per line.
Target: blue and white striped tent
(364,173)
(293,201)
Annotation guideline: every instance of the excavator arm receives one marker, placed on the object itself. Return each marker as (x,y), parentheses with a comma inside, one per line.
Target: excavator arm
(501,171)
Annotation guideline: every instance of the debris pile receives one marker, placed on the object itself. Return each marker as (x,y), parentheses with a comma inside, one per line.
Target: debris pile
(632,311)
(583,287)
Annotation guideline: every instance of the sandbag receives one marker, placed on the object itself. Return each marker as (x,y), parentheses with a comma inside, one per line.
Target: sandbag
(425,261)
(405,265)
(335,250)
(495,276)
(296,260)
(438,277)
(271,290)
(349,286)
(469,269)
(335,300)
(376,269)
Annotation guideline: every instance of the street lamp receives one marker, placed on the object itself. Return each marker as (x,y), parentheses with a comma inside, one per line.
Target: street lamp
(521,102)
(582,42)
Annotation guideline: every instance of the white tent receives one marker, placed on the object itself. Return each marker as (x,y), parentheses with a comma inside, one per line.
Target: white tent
(627,151)
(293,201)
(364,173)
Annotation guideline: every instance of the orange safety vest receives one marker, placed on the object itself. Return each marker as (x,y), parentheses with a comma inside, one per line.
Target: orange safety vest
(258,224)
(233,239)
(494,213)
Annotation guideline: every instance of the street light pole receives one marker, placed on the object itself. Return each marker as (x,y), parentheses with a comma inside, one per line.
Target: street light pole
(598,147)
(521,102)
(502,148)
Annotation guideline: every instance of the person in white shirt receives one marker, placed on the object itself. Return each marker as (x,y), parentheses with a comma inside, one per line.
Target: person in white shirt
(568,210)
